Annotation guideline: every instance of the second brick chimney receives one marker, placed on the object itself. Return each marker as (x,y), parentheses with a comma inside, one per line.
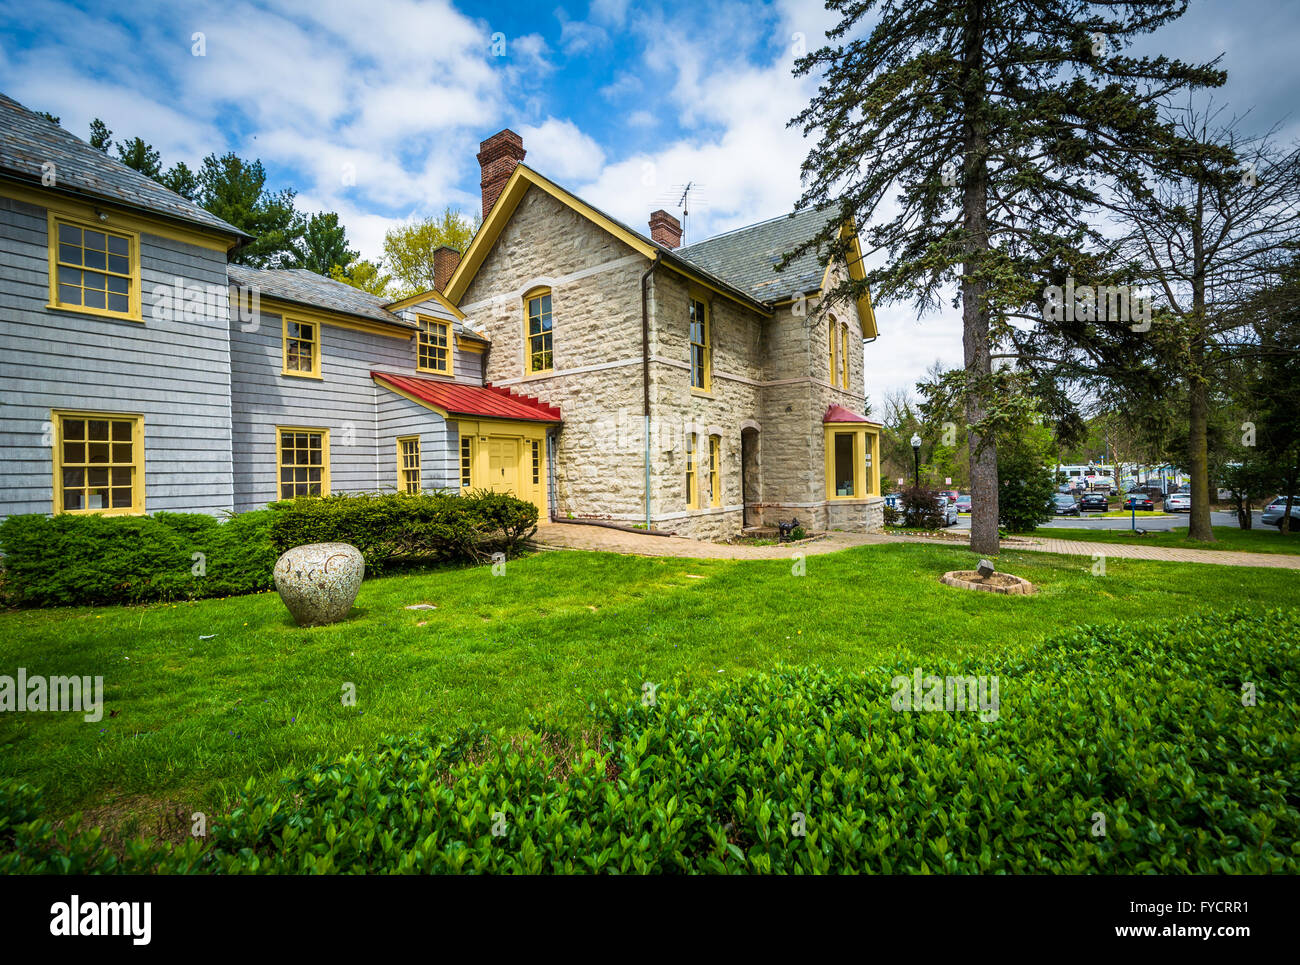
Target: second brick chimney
(445,260)
(665,229)
(497,157)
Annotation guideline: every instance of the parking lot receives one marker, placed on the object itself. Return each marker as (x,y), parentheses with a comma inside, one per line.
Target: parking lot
(1153,524)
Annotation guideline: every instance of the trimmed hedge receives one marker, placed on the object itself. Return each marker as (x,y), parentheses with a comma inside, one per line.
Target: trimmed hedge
(394,528)
(1142,725)
(87,560)
(79,560)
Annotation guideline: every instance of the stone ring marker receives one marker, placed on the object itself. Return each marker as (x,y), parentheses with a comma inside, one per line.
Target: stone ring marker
(319,582)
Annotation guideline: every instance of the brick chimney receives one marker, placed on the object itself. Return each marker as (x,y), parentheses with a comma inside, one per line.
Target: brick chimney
(497,157)
(665,229)
(445,260)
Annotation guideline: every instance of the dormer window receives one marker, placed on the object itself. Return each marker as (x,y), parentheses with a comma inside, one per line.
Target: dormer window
(434,346)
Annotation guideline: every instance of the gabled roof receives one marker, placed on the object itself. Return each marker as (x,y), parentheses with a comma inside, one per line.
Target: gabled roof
(837,413)
(303,287)
(747,257)
(28,141)
(524,177)
(453,399)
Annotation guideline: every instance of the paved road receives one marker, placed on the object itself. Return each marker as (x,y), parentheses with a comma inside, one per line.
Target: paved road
(1152,524)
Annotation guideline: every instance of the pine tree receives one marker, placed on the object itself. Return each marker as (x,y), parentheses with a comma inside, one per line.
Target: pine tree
(990,124)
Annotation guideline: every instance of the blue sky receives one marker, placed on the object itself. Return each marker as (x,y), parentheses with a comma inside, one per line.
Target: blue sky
(375,109)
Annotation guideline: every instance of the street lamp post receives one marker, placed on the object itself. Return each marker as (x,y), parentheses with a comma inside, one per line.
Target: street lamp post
(916,457)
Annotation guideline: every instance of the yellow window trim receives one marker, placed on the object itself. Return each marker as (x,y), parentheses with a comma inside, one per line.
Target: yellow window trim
(133,312)
(533,293)
(403,480)
(707,365)
(466,461)
(715,470)
(137,459)
(692,472)
(449,347)
(830,349)
(864,434)
(325,456)
(315,372)
(118,220)
(845,369)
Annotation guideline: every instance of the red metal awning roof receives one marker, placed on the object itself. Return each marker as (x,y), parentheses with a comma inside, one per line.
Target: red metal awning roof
(482,402)
(837,413)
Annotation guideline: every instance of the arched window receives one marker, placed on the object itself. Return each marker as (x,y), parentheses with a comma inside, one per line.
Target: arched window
(844,354)
(538,355)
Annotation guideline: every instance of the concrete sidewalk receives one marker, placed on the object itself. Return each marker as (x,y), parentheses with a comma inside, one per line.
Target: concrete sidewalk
(560,536)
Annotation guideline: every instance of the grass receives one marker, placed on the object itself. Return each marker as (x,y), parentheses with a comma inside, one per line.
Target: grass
(188,720)
(1266,540)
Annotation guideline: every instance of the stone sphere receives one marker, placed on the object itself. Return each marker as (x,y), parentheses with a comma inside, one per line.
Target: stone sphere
(319,582)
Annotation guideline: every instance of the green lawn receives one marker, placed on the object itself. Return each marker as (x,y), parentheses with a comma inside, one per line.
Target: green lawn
(1266,540)
(192,719)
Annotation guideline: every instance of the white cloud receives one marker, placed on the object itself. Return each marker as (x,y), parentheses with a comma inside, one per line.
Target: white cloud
(561,151)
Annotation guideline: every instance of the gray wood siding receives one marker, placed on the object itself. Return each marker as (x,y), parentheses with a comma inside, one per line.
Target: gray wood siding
(175,372)
(361,416)
(399,416)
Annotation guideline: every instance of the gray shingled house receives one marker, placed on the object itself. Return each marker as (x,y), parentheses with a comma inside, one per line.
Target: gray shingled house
(701,389)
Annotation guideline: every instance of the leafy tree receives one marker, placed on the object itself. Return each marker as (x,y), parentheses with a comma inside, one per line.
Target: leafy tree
(323,245)
(101,138)
(1026,479)
(408,250)
(366,275)
(135,153)
(235,191)
(987,124)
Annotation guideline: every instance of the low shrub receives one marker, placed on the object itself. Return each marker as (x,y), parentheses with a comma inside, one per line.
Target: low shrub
(76,560)
(1118,749)
(891,515)
(391,528)
(921,509)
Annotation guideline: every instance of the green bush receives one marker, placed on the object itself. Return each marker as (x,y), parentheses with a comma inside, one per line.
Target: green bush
(74,560)
(391,528)
(1144,726)
(1025,488)
(921,508)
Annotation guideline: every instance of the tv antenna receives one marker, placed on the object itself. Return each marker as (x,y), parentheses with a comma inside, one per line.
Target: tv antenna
(684,205)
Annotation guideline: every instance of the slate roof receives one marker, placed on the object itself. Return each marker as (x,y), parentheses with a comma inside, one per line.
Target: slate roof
(305,287)
(28,141)
(456,399)
(747,257)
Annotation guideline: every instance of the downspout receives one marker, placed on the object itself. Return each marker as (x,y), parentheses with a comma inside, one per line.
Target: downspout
(645,375)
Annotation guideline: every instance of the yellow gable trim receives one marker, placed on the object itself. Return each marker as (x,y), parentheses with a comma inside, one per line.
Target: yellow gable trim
(277,306)
(432,293)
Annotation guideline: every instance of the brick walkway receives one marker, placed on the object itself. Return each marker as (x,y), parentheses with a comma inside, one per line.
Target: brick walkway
(558,536)
(571,536)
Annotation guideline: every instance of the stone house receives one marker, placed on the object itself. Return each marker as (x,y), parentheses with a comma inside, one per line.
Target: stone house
(702,390)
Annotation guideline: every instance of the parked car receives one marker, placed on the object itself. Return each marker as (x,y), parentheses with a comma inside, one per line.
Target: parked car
(949,510)
(949,494)
(1063,505)
(1273,512)
(1094,502)
(1178,503)
(963,503)
(1137,499)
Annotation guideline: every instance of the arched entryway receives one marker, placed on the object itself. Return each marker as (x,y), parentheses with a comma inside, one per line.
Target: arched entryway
(750,481)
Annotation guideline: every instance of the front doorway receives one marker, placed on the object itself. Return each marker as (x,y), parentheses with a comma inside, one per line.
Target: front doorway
(503,465)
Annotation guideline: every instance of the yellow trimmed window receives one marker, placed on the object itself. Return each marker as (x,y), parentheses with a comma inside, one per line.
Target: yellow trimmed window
(852,461)
(434,351)
(830,349)
(303,462)
(301,347)
(844,354)
(537,462)
(94,270)
(466,462)
(408,463)
(98,463)
(538,347)
(692,474)
(715,470)
(701,376)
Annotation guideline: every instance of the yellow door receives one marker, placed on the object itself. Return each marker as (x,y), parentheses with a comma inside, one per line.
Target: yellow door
(503,465)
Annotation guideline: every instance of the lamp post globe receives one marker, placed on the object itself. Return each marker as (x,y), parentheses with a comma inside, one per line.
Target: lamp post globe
(916,458)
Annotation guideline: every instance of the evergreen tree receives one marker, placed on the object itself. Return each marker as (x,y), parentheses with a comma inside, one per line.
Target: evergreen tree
(235,191)
(989,124)
(324,245)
